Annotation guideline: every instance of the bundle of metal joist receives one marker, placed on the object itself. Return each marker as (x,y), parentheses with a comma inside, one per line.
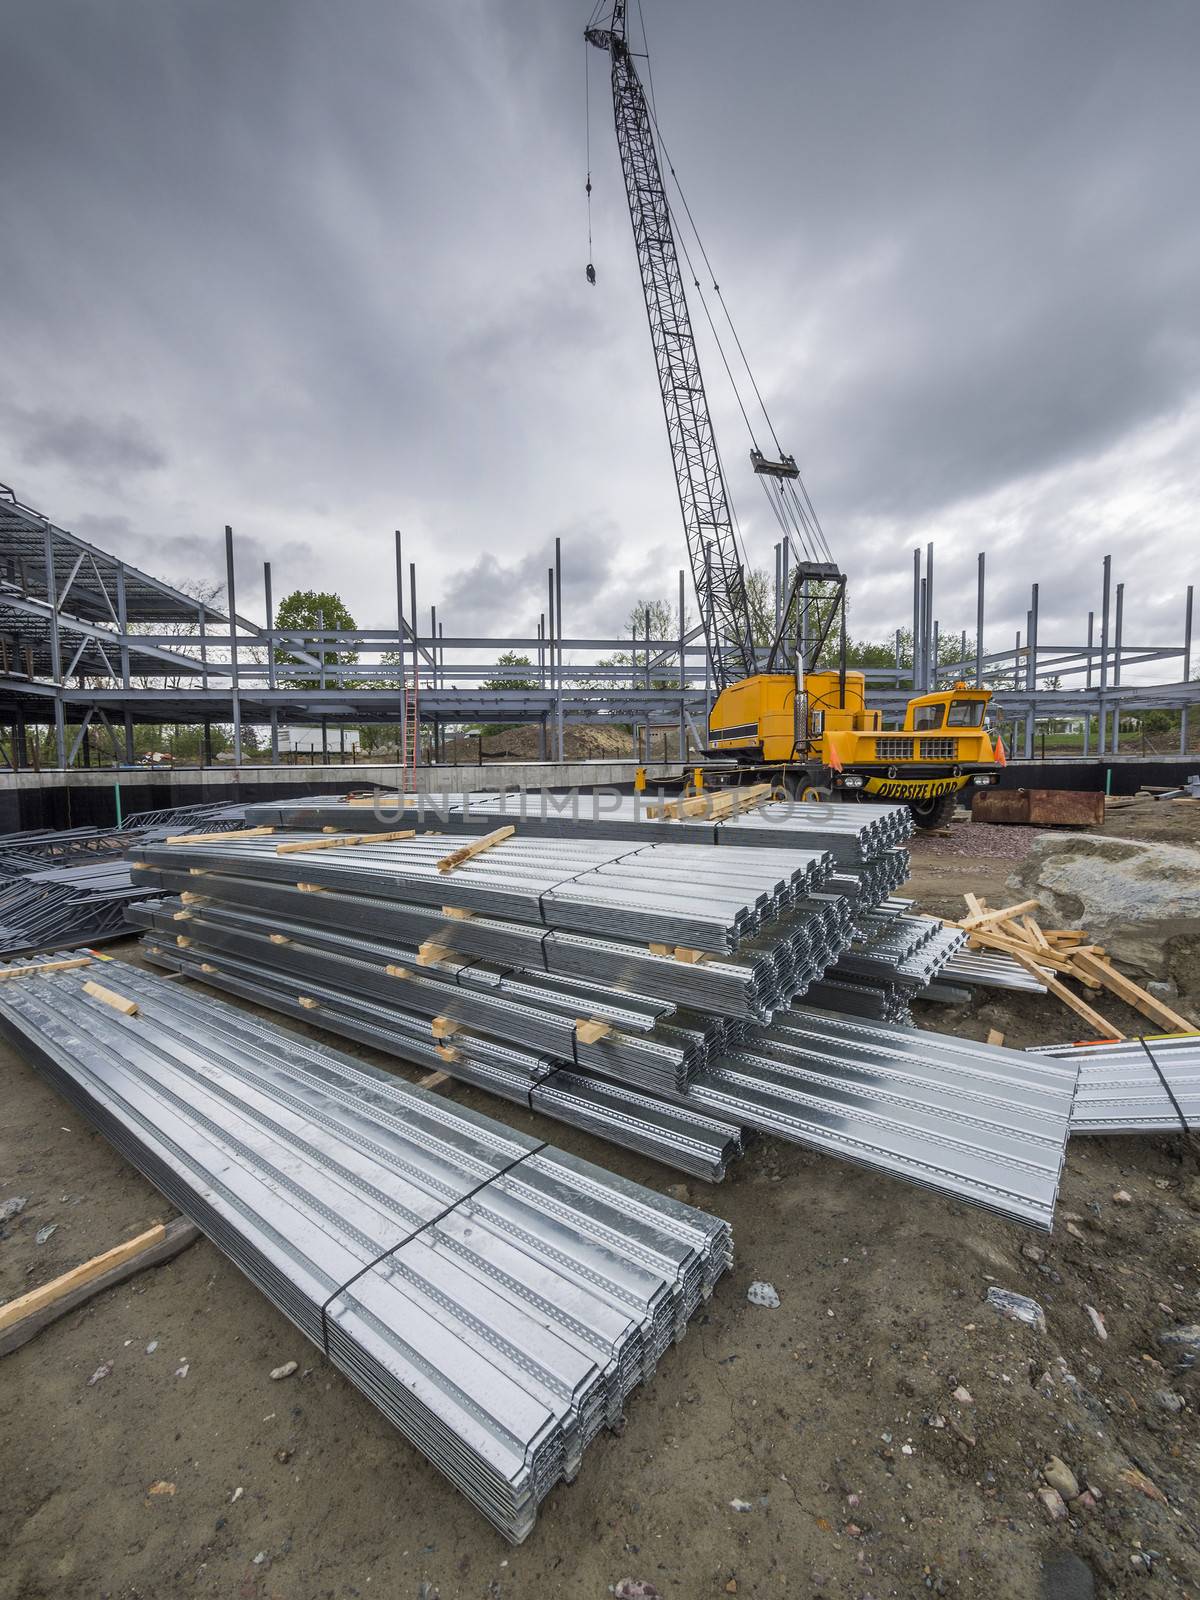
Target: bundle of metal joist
(973,1120)
(849,833)
(676,1134)
(1131,1086)
(875,998)
(497,1299)
(63,905)
(37,848)
(680,895)
(899,950)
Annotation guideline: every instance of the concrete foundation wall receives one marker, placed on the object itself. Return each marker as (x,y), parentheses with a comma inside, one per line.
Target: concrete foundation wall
(83,797)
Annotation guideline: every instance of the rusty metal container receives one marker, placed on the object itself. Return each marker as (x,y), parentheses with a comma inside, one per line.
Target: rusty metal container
(1039,808)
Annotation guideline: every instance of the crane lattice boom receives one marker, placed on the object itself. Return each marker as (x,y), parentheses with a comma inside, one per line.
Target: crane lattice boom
(707,520)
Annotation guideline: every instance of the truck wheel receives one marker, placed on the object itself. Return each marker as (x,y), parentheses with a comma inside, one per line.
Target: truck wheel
(934,813)
(815,791)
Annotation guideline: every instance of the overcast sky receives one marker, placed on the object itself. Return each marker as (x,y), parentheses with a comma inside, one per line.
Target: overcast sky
(318,271)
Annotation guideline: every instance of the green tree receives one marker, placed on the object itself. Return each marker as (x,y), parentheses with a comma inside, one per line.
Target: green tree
(510,658)
(308,611)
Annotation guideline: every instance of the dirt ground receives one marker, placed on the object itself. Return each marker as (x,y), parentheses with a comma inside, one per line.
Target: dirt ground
(884,1427)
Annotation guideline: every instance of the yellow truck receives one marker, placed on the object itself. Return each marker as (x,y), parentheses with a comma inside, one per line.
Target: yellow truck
(815,738)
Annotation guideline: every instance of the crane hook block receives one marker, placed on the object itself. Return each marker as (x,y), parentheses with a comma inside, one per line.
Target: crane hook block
(591,273)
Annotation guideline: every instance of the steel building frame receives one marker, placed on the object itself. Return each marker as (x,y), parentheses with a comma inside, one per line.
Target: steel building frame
(88,643)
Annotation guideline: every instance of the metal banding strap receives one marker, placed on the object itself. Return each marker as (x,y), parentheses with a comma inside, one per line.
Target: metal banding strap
(1162,1078)
(400,1243)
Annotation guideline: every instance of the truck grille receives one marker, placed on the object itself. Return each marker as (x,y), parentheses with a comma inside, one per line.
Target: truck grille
(893,749)
(938,749)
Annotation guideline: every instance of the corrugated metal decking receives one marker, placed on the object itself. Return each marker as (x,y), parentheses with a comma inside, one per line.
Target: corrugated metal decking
(495,1297)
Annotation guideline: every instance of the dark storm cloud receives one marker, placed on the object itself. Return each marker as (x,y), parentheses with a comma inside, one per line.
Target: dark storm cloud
(104,449)
(318,272)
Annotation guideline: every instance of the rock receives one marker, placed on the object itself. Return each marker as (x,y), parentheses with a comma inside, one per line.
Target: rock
(1017,1307)
(427,1590)
(740,1505)
(236,1495)
(636,1589)
(44,1233)
(183,1369)
(1053,1504)
(1066,1577)
(1169,1401)
(152,1347)
(1033,1252)
(101,1372)
(1139,1481)
(1122,1197)
(1136,898)
(261,1558)
(763,1294)
(285,1371)
(731,1586)
(1167,990)
(1059,1476)
(1187,1338)
(963,1396)
(13,1206)
(1075,1231)
(1084,1502)
(680,1192)
(161,1487)
(283,1457)
(1097,1322)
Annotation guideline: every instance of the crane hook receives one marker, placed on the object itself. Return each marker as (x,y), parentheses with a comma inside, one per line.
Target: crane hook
(591,273)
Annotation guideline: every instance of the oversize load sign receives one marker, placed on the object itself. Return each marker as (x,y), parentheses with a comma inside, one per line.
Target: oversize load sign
(912,788)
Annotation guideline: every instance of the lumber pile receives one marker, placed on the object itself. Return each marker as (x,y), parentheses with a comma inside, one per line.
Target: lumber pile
(1055,954)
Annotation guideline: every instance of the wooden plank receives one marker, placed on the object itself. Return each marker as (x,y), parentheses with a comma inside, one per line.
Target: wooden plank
(444,1027)
(982,918)
(280,938)
(589,1030)
(434,1080)
(394,971)
(339,841)
(312,888)
(1132,993)
(1035,933)
(975,906)
(661,950)
(447,1052)
(431,953)
(690,957)
(989,939)
(457,914)
(190,899)
(110,997)
(182,940)
(205,966)
(1092,1018)
(34,967)
(181,916)
(83,1283)
(231,833)
(308,1002)
(468,852)
(36,1299)
(995,1036)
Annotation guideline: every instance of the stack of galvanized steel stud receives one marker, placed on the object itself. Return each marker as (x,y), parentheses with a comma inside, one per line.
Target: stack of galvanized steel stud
(617,985)
(496,1298)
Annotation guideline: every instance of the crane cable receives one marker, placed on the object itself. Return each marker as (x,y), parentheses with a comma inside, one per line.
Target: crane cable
(587,124)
